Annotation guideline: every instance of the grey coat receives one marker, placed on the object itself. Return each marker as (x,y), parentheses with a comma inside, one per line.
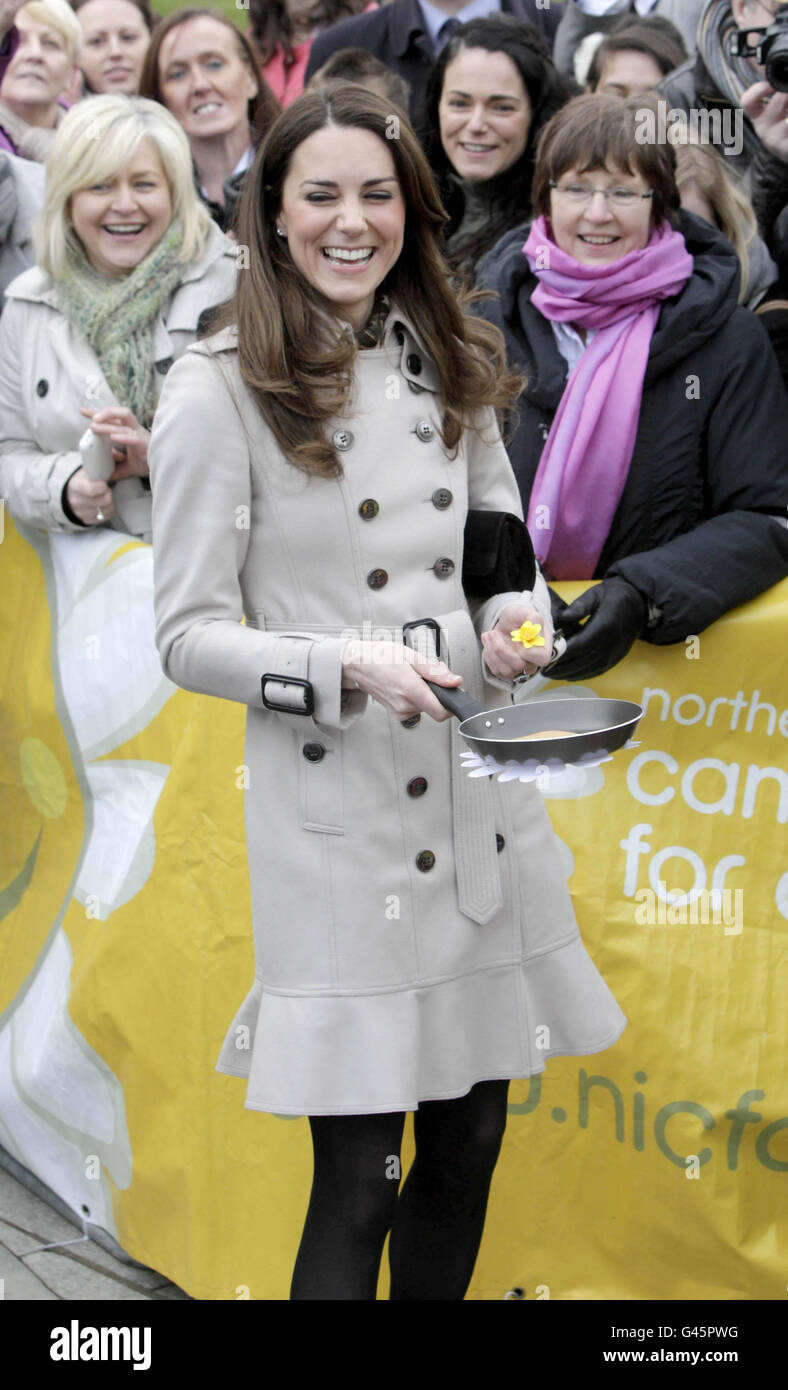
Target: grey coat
(48,370)
(409,939)
(21,196)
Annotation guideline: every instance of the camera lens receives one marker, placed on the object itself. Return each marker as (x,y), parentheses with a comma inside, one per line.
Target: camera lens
(776,66)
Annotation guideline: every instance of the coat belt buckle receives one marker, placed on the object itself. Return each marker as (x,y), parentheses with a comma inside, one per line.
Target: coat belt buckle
(425,622)
(309,694)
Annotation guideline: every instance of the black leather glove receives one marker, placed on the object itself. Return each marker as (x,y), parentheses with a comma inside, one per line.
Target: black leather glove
(616,613)
(558,607)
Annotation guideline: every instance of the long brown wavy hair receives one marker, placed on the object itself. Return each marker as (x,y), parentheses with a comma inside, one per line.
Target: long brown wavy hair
(301,376)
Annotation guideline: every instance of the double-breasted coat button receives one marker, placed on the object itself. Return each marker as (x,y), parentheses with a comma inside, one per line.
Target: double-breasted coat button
(164,366)
(499,843)
(443,567)
(342,439)
(442,498)
(368,508)
(417,786)
(413,363)
(424,431)
(313,752)
(42,387)
(377,578)
(425,860)
(412,722)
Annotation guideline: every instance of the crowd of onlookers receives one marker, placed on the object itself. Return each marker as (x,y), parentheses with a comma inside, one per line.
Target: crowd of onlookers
(126,138)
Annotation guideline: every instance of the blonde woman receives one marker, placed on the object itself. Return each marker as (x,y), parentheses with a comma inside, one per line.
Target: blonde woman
(128,262)
(42,78)
(707,189)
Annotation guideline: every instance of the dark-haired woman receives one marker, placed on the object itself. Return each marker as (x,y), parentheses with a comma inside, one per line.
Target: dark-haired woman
(204,71)
(413,928)
(650,447)
(490,92)
(282,32)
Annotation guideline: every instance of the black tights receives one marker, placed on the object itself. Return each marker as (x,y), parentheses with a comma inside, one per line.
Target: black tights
(436,1221)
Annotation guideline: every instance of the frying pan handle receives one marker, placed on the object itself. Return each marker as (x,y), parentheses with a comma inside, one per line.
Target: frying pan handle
(455,699)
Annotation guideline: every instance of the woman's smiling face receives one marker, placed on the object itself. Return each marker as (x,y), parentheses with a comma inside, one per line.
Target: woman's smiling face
(114,43)
(598,232)
(484,113)
(204,81)
(120,219)
(343,212)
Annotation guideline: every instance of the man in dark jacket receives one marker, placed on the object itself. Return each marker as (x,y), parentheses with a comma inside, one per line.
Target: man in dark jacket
(408,38)
(701,525)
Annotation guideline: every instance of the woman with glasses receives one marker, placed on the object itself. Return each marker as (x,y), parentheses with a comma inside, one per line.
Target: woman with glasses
(650,444)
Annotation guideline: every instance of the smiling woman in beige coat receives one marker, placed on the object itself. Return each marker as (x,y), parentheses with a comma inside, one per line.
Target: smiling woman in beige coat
(128,262)
(312,466)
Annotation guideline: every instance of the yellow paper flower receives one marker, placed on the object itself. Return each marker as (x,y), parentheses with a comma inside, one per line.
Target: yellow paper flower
(528,634)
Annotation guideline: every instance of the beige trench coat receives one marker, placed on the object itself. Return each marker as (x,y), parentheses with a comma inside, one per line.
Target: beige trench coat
(48,370)
(406,945)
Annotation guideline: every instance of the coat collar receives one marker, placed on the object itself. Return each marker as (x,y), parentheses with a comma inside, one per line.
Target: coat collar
(398,331)
(37,287)
(416,364)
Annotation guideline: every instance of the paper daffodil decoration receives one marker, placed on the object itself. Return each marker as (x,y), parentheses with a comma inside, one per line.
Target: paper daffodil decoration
(529,635)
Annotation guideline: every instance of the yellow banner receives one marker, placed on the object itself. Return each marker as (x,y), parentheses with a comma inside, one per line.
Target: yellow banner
(654,1170)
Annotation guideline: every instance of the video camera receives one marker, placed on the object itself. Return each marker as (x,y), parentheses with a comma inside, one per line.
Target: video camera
(770,49)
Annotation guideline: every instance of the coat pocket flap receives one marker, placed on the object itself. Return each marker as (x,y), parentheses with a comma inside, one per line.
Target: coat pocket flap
(320,782)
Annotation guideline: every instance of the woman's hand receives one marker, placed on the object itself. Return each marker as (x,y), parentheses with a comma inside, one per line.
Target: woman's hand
(508,659)
(129,439)
(600,627)
(392,674)
(89,496)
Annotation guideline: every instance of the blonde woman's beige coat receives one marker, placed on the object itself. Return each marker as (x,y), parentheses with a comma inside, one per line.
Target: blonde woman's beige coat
(413,930)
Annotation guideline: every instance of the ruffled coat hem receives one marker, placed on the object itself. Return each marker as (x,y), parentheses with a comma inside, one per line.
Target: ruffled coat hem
(357,1053)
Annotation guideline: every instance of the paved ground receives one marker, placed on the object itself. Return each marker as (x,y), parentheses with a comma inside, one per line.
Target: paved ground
(43,1255)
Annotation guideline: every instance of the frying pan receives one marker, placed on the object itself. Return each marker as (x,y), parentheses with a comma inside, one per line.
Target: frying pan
(599,726)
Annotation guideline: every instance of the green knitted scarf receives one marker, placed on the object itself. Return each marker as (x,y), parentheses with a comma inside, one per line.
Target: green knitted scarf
(116,317)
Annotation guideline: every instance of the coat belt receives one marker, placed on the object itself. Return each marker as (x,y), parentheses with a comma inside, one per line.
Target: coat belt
(477,863)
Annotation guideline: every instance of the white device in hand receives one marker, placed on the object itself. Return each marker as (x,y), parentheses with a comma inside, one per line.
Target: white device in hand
(96,451)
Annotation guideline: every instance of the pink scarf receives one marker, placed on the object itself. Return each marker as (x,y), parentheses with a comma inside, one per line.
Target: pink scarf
(587,454)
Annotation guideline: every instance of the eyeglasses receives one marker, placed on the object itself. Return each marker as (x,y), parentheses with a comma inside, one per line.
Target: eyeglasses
(581,194)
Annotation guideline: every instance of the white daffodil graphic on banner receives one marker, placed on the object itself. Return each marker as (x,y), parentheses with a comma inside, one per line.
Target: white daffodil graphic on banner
(60,1103)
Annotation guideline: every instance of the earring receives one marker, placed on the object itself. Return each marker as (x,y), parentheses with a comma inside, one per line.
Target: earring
(280,231)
